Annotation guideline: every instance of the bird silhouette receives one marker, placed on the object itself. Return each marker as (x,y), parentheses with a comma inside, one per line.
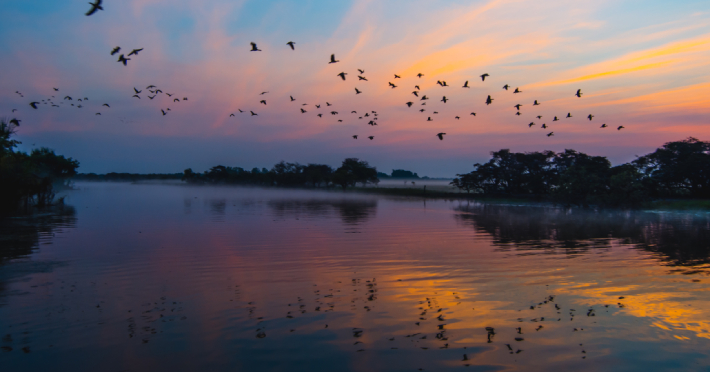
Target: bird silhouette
(506,86)
(441,136)
(231,115)
(291,44)
(397,76)
(590,117)
(536,103)
(151,97)
(361,71)
(56,89)
(292,99)
(361,78)
(168,94)
(328,104)
(262,93)
(115,50)
(620,127)
(98,113)
(539,116)
(34,105)
(332,59)
(165,113)
(123,59)
(473,113)
(579,93)
(429,119)
(253,113)
(465,85)
(517,90)
(409,104)
(176,100)
(15,121)
(417,87)
(137,96)
(416,94)
(424,98)
(419,75)
(355,136)
(457,118)
(551,134)
(518,106)
(135,51)
(371,137)
(240,110)
(555,119)
(357,91)
(13,110)
(489,100)
(531,124)
(303,111)
(603,126)
(569,115)
(445,99)
(254,48)
(320,115)
(342,75)
(518,113)
(484,76)
(94,7)
(263,101)
(544,126)
(150,86)
(392,85)
(317,106)
(67,98)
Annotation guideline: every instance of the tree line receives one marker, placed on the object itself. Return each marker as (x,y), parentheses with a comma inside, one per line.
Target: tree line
(28,180)
(677,169)
(350,173)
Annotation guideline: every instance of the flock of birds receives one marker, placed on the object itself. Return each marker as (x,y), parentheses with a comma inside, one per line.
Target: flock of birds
(371,116)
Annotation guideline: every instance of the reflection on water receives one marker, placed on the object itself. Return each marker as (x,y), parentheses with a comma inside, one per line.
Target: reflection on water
(156,277)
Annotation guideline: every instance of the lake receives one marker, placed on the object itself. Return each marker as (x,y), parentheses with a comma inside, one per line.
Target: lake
(151,277)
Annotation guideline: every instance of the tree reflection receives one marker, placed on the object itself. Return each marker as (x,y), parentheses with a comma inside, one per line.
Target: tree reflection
(20,236)
(678,239)
(350,211)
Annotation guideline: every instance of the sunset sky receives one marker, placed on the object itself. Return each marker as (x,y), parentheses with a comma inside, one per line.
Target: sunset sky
(641,64)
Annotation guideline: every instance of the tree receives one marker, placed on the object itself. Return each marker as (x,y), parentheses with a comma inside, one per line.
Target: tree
(318,173)
(353,171)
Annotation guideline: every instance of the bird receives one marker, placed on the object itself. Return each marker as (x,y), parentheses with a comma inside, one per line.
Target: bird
(489,100)
(137,96)
(361,71)
(603,126)
(536,103)
(569,115)
(518,113)
(94,7)
(429,119)
(165,113)
(320,115)
(484,76)
(184,98)
(416,94)
(445,99)
(303,111)
(151,97)
(357,91)
(98,113)
(123,59)
(342,75)
(620,127)
(443,84)
(457,118)
(473,113)
(291,44)
(176,100)
(555,119)
(371,137)
(34,105)
(517,90)
(539,116)
(340,121)
(417,86)
(150,86)
(317,106)
(56,89)
(328,104)
(506,86)
(544,126)
(292,99)
(135,51)
(424,98)
(517,106)
(13,110)
(353,112)
(67,98)
(168,94)
(116,50)
(465,85)
(579,93)
(231,115)
(409,104)
(355,136)
(332,59)
(240,110)
(397,76)
(16,122)
(441,136)
(254,48)
(361,78)
(530,125)
(262,93)
(263,101)
(551,134)
(253,113)
(419,75)
(392,85)
(590,117)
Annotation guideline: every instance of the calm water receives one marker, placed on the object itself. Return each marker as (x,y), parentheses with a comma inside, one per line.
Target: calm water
(166,277)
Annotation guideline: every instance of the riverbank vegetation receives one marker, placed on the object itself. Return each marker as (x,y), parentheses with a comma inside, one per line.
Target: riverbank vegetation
(29,180)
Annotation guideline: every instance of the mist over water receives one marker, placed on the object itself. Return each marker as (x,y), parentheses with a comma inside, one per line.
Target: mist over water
(145,277)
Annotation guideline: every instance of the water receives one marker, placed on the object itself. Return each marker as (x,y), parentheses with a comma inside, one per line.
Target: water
(168,277)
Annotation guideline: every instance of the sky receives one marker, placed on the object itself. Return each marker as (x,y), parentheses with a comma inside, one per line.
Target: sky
(643,64)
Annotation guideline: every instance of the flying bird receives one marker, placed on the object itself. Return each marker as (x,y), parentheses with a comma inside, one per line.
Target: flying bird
(361,78)
(506,86)
(106,104)
(56,89)
(397,76)
(517,113)
(34,105)
(429,119)
(473,113)
(484,76)
(262,93)
(165,113)
(328,104)
(231,115)
(518,106)
(603,126)
(184,98)
(539,116)
(342,75)
(254,48)
(424,98)
(416,94)
(445,99)
(67,98)
(332,59)
(357,91)
(530,125)
(417,86)
(317,106)
(361,71)
(355,136)
(94,7)
(544,126)
(551,134)
(419,75)
(579,93)
(16,122)
(263,101)
(536,103)
(303,111)
(98,113)
(371,137)
(465,85)
(517,90)
(569,115)
(151,97)
(292,99)
(253,113)
(489,100)
(457,118)
(150,86)
(291,44)
(620,127)
(135,51)
(409,104)
(116,50)
(137,96)
(123,59)
(590,117)
(176,100)
(392,85)
(441,136)
(13,110)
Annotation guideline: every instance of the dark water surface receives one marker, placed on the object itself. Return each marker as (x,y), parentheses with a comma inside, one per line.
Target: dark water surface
(167,277)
